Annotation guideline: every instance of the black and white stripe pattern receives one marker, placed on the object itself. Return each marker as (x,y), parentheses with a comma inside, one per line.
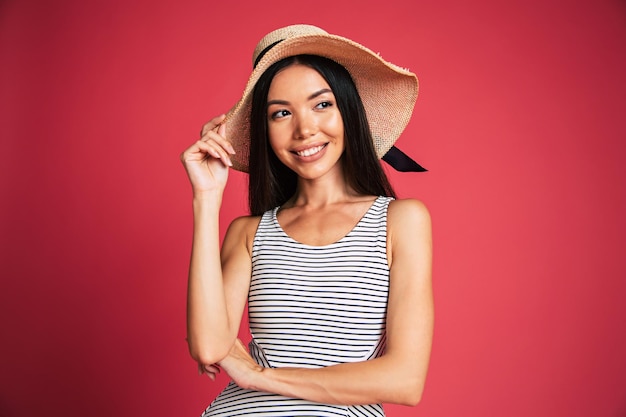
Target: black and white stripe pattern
(313,306)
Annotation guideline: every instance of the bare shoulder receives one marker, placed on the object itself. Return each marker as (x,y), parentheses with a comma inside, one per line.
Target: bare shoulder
(407,211)
(245,223)
(409,234)
(242,230)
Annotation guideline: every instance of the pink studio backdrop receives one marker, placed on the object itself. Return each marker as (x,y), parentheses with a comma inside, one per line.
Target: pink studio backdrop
(521,120)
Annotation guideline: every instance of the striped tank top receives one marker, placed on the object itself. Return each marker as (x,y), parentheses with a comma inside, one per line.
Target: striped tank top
(313,306)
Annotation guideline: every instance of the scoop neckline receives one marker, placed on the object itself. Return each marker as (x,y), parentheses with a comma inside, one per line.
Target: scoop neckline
(279,227)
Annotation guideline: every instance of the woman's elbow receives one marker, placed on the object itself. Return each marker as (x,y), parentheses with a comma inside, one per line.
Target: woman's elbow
(410,394)
(208,355)
(412,399)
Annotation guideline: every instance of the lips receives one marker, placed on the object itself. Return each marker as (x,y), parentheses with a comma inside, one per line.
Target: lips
(310,151)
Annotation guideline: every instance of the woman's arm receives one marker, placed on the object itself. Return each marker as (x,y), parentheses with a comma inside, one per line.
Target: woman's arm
(399,375)
(217,283)
(217,288)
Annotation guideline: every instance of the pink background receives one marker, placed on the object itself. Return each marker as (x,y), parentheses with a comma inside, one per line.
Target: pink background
(521,120)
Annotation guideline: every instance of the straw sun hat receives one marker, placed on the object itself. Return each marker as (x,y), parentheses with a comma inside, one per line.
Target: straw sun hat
(388,92)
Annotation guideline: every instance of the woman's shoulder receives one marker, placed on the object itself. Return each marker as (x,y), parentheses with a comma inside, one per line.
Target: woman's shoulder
(407,211)
(409,230)
(244,228)
(245,223)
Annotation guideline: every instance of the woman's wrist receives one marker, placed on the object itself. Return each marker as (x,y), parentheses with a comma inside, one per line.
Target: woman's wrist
(207,198)
(211,194)
(260,379)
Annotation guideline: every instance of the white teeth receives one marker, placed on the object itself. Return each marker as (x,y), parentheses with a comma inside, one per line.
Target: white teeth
(310,151)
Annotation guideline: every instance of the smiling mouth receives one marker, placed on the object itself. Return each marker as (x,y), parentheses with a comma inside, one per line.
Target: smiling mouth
(311,151)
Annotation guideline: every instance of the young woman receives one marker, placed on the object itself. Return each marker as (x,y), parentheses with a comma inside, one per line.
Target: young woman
(336,271)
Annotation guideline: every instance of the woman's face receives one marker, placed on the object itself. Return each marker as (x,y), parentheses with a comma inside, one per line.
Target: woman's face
(304,124)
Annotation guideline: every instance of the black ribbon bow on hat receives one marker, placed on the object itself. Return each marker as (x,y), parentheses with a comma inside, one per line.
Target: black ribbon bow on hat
(401,161)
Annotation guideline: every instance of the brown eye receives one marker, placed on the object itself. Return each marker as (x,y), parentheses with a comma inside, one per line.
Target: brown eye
(279,114)
(324,104)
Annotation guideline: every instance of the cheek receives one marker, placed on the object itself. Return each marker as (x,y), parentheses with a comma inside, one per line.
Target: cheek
(280,127)
(335,124)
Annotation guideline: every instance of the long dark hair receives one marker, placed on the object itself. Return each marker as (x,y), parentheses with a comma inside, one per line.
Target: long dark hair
(271,183)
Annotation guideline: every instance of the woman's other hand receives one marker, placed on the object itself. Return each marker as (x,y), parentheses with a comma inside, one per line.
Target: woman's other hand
(211,370)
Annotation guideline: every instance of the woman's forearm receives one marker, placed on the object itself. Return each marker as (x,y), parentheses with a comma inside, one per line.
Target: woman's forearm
(381,380)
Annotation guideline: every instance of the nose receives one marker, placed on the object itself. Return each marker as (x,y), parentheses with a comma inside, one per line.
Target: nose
(305,125)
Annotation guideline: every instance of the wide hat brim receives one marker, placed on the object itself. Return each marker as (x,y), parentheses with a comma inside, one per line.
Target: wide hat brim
(388,92)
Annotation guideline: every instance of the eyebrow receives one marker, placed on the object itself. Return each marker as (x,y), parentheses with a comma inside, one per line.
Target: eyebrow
(311,97)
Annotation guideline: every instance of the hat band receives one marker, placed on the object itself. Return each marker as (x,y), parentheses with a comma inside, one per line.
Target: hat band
(264,51)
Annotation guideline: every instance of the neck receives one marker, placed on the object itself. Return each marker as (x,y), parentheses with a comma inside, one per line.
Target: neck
(321,192)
